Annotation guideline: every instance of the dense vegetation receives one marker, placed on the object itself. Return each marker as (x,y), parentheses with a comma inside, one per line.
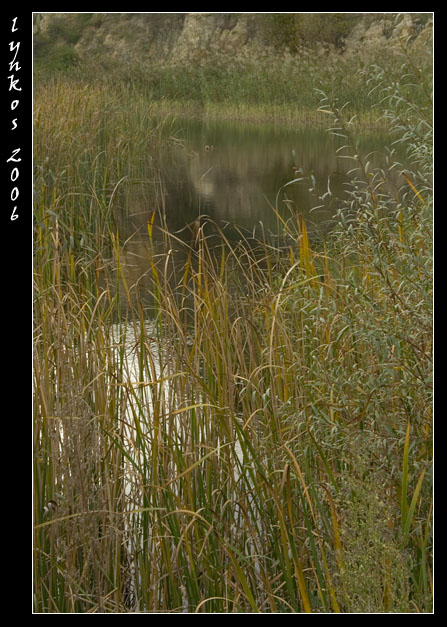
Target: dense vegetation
(263,443)
(276,83)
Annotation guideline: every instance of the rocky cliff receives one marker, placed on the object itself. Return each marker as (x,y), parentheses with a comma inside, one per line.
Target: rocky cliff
(173,38)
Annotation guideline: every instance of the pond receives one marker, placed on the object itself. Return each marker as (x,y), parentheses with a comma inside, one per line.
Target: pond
(234,171)
(240,175)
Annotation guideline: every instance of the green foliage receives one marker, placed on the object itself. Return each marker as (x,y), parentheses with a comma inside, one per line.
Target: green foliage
(329,28)
(54,47)
(292,30)
(279,30)
(69,28)
(55,58)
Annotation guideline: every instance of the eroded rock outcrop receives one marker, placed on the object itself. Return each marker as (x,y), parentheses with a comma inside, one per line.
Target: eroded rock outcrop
(173,38)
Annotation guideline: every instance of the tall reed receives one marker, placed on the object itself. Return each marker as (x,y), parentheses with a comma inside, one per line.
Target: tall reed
(262,443)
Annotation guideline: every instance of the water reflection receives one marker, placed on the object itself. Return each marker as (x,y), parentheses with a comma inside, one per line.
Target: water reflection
(233,173)
(236,174)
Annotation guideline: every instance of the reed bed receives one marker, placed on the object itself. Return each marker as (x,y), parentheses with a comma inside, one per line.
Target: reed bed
(265,88)
(261,443)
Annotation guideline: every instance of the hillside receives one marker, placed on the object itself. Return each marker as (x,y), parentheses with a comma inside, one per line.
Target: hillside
(65,39)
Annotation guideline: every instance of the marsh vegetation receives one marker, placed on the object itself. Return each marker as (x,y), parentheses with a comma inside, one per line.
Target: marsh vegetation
(259,438)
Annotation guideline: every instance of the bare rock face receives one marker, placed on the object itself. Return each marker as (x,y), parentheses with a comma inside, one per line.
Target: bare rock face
(173,38)
(387,32)
(131,37)
(206,35)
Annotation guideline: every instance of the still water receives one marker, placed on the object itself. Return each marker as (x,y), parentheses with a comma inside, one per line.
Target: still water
(236,172)
(240,174)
